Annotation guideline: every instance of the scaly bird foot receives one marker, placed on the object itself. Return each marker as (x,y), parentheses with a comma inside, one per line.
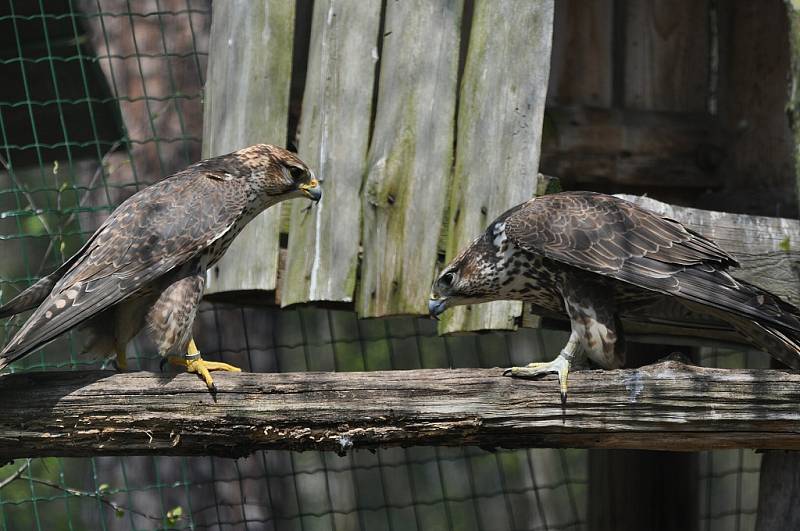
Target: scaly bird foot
(121,361)
(194,363)
(559,366)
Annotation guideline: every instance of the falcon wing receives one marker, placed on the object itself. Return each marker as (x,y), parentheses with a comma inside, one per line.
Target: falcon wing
(618,239)
(149,234)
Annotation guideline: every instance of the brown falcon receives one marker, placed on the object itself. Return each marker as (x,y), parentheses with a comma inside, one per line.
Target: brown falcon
(594,258)
(145,267)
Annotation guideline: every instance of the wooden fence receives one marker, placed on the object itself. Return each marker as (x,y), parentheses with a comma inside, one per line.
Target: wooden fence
(382,112)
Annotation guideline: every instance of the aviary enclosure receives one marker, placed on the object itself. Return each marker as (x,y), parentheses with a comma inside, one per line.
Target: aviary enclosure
(425,120)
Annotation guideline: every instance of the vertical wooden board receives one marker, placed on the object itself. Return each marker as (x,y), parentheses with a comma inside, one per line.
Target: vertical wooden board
(322,256)
(666,55)
(247,102)
(793,105)
(410,157)
(754,64)
(499,133)
(581,68)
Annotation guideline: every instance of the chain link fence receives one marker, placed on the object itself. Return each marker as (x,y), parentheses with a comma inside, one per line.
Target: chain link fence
(103,97)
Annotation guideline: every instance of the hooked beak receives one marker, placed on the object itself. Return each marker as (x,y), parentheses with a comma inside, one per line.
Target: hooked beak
(312,190)
(436,307)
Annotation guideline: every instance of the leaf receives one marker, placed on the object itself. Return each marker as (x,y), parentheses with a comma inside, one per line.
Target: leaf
(102,488)
(119,512)
(174,514)
(785,245)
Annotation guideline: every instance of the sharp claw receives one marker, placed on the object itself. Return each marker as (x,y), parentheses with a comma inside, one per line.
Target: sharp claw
(559,366)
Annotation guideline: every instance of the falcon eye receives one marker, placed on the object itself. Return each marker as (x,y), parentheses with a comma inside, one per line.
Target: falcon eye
(447,279)
(297,173)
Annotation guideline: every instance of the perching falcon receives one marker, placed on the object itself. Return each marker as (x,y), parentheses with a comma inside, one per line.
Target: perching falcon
(595,258)
(145,267)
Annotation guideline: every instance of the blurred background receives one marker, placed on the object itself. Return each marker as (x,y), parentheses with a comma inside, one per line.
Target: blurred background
(684,101)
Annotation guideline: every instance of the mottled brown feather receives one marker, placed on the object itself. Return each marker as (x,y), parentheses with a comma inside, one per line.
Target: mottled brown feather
(615,238)
(190,216)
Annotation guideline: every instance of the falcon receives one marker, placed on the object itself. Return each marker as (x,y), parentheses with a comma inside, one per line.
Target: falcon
(145,267)
(594,258)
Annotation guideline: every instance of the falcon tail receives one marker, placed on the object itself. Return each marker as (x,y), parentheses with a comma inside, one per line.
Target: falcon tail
(9,355)
(779,335)
(32,297)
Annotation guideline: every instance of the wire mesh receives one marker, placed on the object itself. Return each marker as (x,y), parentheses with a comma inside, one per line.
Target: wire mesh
(105,97)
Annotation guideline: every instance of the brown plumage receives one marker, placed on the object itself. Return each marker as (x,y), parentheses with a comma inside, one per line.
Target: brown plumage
(594,258)
(145,266)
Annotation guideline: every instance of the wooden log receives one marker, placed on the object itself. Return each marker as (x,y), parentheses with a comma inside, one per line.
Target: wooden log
(247,102)
(499,133)
(768,249)
(666,55)
(322,256)
(667,406)
(410,157)
(588,147)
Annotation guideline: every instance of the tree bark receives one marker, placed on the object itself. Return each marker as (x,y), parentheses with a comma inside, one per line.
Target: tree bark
(667,406)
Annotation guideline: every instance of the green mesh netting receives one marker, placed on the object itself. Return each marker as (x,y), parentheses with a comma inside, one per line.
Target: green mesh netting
(101,97)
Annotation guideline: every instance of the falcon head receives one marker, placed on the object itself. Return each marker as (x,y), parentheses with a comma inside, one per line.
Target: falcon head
(276,174)
(476,275)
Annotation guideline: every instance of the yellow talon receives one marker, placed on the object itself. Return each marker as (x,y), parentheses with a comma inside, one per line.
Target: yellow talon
(201,367)
(122,360)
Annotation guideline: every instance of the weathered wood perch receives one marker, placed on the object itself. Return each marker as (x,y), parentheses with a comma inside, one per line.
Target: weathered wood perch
(667,406)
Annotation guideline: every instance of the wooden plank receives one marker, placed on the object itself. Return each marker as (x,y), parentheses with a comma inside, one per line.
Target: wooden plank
(499,133)
(590,146)
(767,248)
(779,482)
(793,105)
(323,248)
(581,67)
(754,67)
(410,157)
(666,55)
(667,406)
(247,102)
(778,489)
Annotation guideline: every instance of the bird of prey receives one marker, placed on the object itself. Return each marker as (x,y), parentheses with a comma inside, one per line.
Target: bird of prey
(594,258)
(145,267)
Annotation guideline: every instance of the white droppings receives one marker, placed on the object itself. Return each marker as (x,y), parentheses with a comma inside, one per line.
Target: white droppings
(72,294)
(230,42)
(345,443)
(60,303)
(634,385)
(317,249)
(48,314)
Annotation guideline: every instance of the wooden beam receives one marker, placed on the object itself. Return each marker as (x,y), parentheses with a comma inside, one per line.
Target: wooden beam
(667,406)
(587,146)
